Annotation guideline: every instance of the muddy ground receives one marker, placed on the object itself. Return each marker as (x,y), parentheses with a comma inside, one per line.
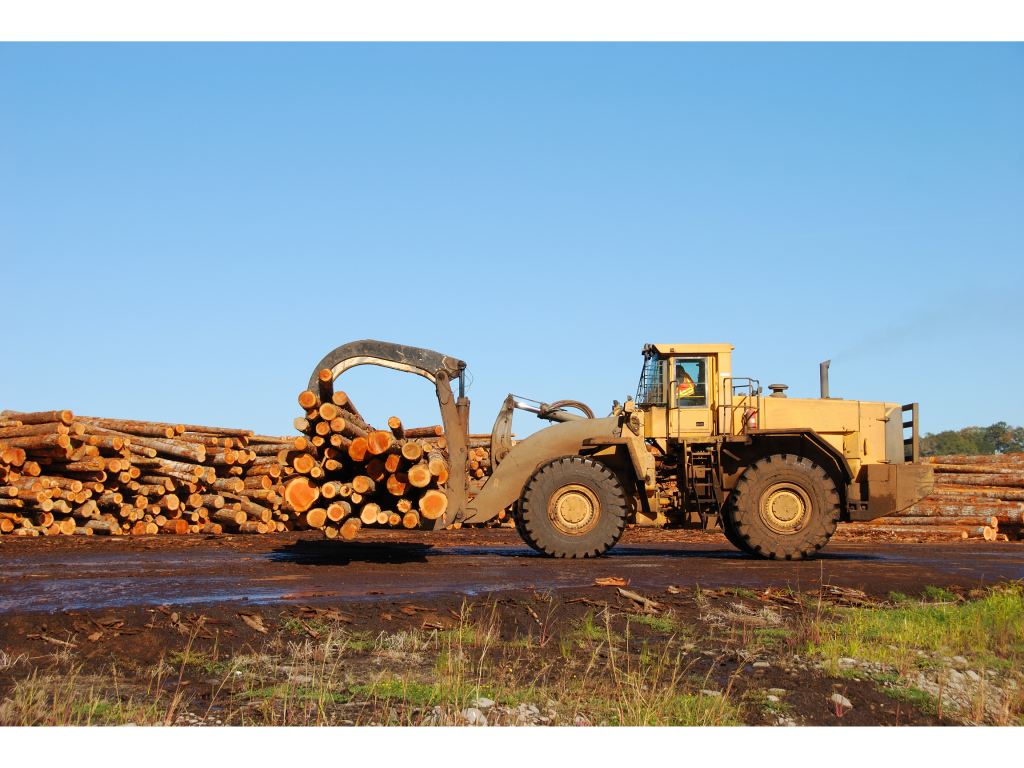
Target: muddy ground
(182,614)
(63,573)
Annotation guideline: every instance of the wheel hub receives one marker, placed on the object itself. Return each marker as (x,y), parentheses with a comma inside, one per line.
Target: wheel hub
(785,508)
(574,509)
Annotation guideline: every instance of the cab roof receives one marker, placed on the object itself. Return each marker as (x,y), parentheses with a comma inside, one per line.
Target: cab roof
(692,349)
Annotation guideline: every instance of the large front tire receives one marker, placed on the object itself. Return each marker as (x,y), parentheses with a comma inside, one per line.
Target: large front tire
(729,529)
(784,507)
(572,507)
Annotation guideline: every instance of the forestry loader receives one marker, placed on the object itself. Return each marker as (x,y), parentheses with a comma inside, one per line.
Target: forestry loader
(696,447)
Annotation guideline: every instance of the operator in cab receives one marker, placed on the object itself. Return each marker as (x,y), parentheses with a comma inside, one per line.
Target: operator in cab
(689,392)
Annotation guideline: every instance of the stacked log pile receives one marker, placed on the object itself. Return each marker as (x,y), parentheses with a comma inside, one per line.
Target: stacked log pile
(974,497)
(351,475)
(62,474)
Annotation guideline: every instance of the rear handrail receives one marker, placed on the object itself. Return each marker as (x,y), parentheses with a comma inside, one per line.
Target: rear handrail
(914,441)
(751,406)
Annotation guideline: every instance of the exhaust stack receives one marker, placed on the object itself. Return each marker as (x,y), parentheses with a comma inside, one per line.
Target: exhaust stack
(824,380)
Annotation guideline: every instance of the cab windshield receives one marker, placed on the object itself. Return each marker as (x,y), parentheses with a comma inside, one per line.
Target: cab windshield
(689,385)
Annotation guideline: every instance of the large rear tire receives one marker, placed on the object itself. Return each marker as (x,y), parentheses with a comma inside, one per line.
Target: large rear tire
(784,507)
(572,507)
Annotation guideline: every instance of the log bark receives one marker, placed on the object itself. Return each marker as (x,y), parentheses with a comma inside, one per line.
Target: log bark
(102,526)
(132,427)
(253,527)
(340,441)
(1015,481)
(229,516)
(51,428)
(435,431)
(40,417)
(436,463)
(1001,459)
(226,484)
(267,470)
(221,431)
(33,443)
(991,521)
(342,400)
(959,533)
(326,383)
(195,452)
(341,426)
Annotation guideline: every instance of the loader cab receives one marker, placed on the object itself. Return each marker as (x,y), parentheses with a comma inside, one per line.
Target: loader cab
(680,388)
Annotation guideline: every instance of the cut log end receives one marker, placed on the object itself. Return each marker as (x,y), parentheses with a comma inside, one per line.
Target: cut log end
(301,494)
(433,504)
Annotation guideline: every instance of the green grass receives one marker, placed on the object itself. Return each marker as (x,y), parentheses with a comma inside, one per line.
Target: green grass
(990,630)
(592,630)
(660,624)
(294,625)
(914,696)
(939,595)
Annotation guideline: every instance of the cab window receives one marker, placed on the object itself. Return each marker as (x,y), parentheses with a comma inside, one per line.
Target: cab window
(689,385)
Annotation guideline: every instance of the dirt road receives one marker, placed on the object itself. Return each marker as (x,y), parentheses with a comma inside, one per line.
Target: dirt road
(74,573)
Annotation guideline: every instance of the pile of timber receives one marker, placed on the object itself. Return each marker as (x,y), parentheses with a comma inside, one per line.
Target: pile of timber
(974,497)
(351,475)
(62,474)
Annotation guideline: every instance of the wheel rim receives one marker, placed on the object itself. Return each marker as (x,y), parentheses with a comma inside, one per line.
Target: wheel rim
(574,509)
(785,508)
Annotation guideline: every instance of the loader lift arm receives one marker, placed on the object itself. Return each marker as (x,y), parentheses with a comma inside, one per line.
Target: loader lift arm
(439,370)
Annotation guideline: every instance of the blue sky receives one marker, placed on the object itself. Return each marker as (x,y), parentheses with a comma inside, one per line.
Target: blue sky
(186,229)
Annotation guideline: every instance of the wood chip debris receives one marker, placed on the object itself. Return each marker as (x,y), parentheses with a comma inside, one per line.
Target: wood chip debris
(611,581)
(648,606)
(254,620)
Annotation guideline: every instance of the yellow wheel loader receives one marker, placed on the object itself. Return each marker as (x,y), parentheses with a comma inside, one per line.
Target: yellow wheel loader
(697,447)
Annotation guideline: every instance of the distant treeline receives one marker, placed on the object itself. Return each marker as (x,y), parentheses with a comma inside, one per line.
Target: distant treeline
(974,441)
